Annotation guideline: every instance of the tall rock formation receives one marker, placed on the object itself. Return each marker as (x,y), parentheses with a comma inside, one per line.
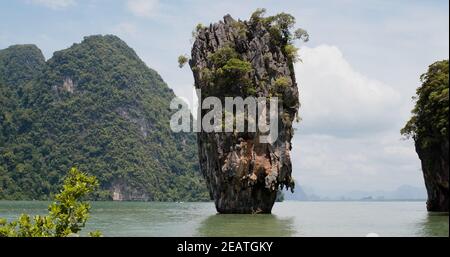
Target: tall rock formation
(240,59)
(429,129)
(434,162)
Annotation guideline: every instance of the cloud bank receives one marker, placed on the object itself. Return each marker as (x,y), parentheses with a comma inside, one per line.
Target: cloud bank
(336,99)
(349,133)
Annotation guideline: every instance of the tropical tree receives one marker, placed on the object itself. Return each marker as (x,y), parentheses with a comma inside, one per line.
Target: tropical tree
(67,214)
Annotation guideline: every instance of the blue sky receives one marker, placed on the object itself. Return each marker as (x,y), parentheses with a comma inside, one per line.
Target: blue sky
(359,69)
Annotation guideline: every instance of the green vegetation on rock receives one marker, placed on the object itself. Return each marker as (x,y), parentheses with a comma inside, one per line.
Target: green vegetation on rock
(235,66)
(280,27)
(282,82)
(429,122)
(291,52)
(222,56)
(228,70)
(198,27)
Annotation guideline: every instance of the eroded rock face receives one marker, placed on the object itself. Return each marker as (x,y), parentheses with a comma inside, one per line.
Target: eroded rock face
(434,160)
(243,174)
(121,191)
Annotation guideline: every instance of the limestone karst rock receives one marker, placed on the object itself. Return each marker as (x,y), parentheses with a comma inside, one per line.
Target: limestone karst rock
(234,58)
(429,128)
(96,106)
(435,168)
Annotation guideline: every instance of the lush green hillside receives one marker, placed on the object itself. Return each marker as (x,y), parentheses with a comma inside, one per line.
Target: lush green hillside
(96,106)
(19,64)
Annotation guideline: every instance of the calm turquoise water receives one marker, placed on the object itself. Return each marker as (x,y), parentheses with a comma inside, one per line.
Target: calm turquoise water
(288,219)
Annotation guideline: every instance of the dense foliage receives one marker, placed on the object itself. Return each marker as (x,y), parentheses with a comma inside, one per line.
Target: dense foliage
(429,122)
(96,106)
(280,27)
(19,64)
(67,215)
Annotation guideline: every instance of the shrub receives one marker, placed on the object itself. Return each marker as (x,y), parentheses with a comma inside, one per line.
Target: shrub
(182,60)
(222,56)
(291,53)
(197,29)
(282,82)
(67,215)
(279,26)
(240,27)
(301,34)
(238,66)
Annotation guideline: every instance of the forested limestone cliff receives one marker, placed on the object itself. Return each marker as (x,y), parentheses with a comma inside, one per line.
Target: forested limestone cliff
(98,107)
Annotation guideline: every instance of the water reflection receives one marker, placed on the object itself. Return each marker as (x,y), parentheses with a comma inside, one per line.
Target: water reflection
(246,225)
(435,224)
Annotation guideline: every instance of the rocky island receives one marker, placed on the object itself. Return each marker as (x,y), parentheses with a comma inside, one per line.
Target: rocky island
(96,106)
(429,128)
(234,58)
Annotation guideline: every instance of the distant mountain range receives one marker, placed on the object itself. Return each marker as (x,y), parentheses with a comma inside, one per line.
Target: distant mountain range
(404,192)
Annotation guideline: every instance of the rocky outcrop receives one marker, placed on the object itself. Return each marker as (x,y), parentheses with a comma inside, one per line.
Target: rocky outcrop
(123,192)
(429,128)
(434,162)
(243,174)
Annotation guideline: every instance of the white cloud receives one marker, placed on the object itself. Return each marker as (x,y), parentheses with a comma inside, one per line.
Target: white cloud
(336,99)
(55,4)
(143,8)
(333,165)
(349,137)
